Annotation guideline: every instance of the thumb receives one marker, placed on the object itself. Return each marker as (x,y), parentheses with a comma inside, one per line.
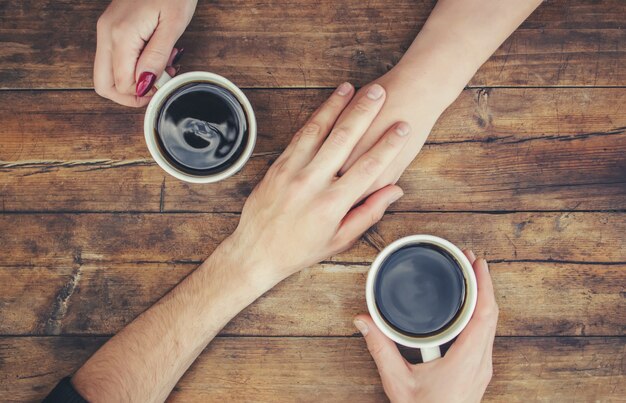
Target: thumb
(391,365)
(154,57)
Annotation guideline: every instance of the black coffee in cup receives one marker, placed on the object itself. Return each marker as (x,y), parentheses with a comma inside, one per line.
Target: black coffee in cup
(419,289)
(201,128)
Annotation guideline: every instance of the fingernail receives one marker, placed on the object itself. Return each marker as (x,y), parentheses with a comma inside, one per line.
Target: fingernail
(403,129)
(344,89)
(362,326)
(375,92)
(145,82)
(472,255)
(178,56)
(396,197)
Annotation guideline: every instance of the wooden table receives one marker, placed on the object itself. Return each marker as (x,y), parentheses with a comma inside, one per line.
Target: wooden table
(527,168)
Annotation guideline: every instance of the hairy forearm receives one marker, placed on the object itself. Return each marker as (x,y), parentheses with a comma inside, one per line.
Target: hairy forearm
(145,360)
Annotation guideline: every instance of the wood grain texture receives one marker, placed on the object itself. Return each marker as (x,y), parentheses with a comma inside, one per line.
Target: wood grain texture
(51,44)
(79,125)
(331,369)
(499,149)
(535,299)
(66,239)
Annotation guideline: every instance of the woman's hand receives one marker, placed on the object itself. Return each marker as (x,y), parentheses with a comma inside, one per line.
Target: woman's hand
(462,375)
(412,100)
(135,44)
(301,212)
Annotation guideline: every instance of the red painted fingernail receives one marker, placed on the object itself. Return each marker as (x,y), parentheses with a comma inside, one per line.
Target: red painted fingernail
(145,82)
(178,56)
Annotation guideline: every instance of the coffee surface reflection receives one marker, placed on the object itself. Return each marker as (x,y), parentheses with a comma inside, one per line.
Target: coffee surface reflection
(419,290)
(201,128)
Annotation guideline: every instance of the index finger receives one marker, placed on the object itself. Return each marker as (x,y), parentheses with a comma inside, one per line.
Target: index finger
(124,59)
(103,79)
(350,127)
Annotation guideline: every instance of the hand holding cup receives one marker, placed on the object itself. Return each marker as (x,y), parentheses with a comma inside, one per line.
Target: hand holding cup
(465,371)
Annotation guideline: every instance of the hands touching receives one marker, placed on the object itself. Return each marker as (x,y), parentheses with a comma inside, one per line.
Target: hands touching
(299,214)
(462,375)
(135,45)
(302,212)
(412,101)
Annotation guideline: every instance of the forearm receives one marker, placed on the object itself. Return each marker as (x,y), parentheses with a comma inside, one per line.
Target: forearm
(145,360)
(458,37)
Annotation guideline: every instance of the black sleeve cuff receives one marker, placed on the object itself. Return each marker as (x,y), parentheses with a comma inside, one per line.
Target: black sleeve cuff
(64,392)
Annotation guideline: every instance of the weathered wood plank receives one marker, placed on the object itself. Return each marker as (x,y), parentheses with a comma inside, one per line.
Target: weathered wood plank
(51,44)
(578,174)
(65,239)
(504,149)
(536,299)
(79,125)
(331,369)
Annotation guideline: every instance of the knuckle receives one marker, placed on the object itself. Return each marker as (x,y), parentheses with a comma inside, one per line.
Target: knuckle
(99,90)
(362,106)
(334,103)
(328,205)
(103,23)
(376,349)
(343,243)
(310,130)
(375,216)
(370,165)
(119,32)
(302,180)
(278,170)
(159,53)
(102,90)
(330,201)
(392,141)
(339,137)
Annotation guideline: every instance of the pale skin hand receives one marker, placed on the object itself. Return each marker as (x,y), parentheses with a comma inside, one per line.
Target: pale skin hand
(458,37)
(299,214)
(135,37)
(462,375)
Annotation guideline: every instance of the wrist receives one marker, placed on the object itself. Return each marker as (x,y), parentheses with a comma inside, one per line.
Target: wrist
(438,66)
(253,270)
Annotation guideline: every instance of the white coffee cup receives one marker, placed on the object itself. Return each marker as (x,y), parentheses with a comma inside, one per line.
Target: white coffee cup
(429,345)
(166,85)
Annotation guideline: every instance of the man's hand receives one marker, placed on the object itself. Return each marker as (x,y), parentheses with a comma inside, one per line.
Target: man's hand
(136,44)
(302,212)
(299,214)
(465,371)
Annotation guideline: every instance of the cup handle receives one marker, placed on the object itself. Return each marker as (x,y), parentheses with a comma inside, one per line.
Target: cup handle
(162,80)
(430,353)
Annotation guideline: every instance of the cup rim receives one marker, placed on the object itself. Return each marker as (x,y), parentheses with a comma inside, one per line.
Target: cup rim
(164,92)
(461,320)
